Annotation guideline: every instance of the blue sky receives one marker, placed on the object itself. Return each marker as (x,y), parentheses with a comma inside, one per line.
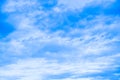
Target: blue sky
(59,40)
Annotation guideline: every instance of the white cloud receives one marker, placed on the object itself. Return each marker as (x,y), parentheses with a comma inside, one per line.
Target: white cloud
(80,4)
(20,6)
(40,68)
(75,79)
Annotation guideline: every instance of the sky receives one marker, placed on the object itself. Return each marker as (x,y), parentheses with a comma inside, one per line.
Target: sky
(59,39)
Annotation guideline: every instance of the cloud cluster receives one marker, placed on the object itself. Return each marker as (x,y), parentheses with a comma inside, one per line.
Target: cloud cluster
(52,41)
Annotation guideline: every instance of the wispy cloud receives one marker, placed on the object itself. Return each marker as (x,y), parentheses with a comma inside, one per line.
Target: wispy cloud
(79,4)
(40,68)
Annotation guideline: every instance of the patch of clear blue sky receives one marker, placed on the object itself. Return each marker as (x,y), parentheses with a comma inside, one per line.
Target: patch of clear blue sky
(48,4)
(5,27)
(114,9)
